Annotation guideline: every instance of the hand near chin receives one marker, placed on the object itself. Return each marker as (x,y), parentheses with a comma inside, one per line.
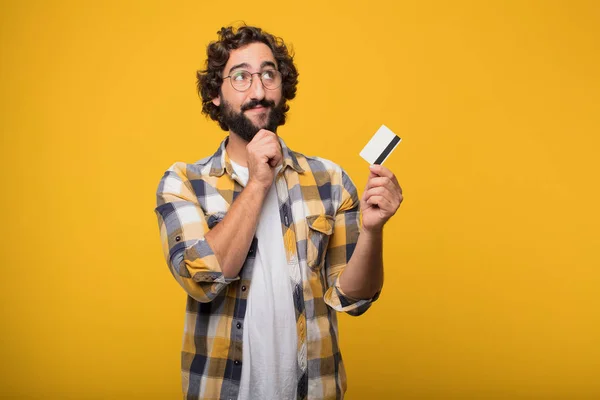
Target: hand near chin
(263,154)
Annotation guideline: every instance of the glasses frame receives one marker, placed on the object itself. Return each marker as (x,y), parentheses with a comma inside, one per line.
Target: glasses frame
(252,79)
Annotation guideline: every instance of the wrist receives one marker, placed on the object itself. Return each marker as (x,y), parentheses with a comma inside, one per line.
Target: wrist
(257,187)
(374,232)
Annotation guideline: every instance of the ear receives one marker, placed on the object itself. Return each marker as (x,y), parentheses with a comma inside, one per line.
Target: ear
(217,101)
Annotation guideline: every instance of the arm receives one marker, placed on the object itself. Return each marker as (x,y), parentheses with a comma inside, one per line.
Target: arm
(363,276)
(232,237)
(203,260)
(344,242)
(183,226)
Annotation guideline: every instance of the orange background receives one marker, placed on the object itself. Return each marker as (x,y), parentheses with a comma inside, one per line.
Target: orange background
(492,263)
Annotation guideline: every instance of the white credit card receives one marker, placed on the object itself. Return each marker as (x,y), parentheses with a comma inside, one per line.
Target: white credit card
(380,146)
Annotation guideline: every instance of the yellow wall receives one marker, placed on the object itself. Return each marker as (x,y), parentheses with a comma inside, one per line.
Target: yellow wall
(492,264)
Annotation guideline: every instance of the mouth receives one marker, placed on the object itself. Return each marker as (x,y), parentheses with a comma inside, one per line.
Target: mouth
(258,109)
(258,106)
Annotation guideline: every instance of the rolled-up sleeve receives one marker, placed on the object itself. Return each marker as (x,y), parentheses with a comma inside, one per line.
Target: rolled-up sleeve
(342,244)
(183,225)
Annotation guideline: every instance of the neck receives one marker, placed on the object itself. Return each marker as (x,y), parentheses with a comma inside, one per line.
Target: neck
(236,149)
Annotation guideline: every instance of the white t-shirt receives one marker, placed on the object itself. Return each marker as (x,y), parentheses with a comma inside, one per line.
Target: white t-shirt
(269,338)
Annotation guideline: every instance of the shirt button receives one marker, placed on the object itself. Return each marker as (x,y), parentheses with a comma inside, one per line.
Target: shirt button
(237,362)
(243,288)
(238,325)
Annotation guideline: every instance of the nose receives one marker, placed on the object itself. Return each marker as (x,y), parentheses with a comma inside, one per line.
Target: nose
(257,90)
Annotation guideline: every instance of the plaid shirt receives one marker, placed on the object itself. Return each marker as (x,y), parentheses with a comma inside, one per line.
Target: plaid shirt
(319,210)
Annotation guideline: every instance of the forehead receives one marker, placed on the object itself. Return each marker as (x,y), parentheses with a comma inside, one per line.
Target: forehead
(253,55)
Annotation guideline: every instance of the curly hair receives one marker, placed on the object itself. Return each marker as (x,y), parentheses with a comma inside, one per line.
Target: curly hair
(209,80)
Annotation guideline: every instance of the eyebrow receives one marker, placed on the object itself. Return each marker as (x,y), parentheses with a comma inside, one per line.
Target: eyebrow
(268,64)
(246,65)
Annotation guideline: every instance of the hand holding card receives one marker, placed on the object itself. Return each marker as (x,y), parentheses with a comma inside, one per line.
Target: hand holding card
(383,195)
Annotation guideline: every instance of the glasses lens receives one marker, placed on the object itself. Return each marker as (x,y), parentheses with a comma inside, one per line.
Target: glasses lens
(241,80)
(271,78)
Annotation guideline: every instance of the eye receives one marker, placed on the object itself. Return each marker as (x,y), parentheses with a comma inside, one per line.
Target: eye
(268,74)
(240,76)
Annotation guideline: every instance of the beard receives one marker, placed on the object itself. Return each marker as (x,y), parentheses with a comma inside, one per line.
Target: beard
(242,126)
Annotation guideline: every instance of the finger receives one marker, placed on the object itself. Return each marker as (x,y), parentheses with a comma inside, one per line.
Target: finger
(375,181)
(266,146)
(262,136)
(383,204)
(380,181)
(265,133)
(386,182)
(379,201)
(275,160)
(265,143)
(268,141)
(393,199)
(392,195)
(262,151)
(376,191)
(268,132)
(380,170)
(274,154)
(259,136)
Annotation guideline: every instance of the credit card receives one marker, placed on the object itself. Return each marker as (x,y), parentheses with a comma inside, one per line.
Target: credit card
(380,146)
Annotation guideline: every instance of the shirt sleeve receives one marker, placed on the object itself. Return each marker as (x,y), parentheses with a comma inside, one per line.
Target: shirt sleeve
(183,225)
(341,246)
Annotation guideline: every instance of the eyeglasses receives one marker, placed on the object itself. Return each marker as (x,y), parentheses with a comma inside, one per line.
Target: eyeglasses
(241,80)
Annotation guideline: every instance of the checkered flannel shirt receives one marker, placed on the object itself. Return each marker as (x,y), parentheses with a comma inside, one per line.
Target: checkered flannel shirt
(319,210)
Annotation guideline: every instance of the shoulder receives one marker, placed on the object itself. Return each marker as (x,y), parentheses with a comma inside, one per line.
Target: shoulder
(319,166)
(330,177)
(185,170)
(316,164)
(179,173)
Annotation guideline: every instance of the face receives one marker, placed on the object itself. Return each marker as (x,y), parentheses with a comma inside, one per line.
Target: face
(256,108)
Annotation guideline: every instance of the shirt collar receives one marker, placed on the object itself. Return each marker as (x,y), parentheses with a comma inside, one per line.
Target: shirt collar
(221,162)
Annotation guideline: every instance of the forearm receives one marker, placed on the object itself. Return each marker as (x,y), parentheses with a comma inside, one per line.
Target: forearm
(363,276)
(231,238)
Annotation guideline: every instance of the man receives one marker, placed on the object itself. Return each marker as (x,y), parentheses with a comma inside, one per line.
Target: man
(264,240)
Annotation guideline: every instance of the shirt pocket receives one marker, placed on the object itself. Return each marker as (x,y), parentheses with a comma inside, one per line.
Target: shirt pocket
(320,228)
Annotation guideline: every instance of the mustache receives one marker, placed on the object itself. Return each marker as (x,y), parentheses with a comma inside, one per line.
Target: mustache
(253,103)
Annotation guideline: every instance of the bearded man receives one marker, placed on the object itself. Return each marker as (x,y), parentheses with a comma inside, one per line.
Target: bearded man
(267,242)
